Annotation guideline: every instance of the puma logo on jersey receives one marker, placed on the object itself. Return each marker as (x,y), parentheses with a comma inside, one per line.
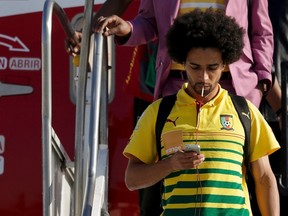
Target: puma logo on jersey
(246,114)
(173,122)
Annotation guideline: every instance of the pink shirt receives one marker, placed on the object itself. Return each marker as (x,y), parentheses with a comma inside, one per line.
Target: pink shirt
(155,17)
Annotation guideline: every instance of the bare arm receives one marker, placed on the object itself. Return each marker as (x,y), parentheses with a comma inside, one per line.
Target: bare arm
(266,187)
(110,7)
(274,96)
(113,25)
(140,175)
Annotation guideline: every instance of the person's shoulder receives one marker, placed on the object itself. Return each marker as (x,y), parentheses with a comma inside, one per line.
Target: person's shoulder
(254,111)
(251,105)
(152,108)
(155,104)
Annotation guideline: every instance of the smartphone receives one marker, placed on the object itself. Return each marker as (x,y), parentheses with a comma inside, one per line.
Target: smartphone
(192,147)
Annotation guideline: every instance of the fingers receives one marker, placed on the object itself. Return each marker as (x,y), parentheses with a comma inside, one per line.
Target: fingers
(73,45)
(186,160)
(112,25)
(100,24)
(198,160)
(104,23)
(192,159)
(72,49)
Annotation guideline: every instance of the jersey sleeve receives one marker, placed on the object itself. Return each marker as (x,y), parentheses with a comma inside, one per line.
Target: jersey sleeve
(142,143)
(262,139)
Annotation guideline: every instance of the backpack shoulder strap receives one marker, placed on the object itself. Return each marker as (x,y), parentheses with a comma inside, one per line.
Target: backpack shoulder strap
(165,108)
(242,109)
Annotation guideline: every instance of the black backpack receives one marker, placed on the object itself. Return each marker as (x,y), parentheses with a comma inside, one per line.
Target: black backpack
(150,198)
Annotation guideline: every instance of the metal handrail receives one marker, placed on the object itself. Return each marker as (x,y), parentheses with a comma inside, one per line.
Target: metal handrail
(80,108)
(94,124)
(50,6)
(84,186)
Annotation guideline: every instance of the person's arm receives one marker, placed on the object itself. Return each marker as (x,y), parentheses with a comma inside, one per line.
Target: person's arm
(266,187)
(140,30)
(274,96)
(140,175)
(113,25)
(262,44)
(109,8)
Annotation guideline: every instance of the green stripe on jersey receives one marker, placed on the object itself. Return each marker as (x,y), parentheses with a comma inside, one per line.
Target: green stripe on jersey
(206,212)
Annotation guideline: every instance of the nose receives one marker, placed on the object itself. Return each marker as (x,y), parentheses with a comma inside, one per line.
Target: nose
(204,76)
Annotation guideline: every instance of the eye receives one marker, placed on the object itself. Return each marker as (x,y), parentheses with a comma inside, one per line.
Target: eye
(213,67)
(193,67)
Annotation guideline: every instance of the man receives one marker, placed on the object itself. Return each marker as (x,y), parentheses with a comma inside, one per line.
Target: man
(213,181)
(250,76)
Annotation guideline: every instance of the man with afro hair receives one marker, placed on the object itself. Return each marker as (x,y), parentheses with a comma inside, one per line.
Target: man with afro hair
(210,181)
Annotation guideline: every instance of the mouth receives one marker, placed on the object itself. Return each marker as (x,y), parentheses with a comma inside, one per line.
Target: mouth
(202,89)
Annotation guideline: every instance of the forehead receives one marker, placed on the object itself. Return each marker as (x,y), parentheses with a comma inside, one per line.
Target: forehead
(204,56)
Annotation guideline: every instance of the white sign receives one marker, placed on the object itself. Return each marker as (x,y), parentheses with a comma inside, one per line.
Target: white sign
(30,64)
(26,64)
(13,43)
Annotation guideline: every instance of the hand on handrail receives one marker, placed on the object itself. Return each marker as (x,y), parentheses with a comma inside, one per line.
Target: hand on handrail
(112,25)
(73,46)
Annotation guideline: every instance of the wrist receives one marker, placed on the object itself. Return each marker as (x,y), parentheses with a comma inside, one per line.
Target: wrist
(263,85)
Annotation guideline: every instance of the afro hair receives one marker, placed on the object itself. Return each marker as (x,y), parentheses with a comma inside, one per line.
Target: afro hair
(209,29)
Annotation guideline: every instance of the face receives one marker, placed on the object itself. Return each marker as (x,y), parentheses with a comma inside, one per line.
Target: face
(204,68)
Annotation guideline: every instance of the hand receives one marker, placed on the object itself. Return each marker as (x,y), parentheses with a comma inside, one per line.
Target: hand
(73,47)
(263,87)
(186,160)
(112,25)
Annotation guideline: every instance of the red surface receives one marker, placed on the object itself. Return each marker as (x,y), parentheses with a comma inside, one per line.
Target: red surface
(20,117)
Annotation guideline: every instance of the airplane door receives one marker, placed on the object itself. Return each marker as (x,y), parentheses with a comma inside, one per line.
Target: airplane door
(20,117)
(20,112)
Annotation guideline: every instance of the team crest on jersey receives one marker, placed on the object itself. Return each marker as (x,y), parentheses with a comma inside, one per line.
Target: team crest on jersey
(226,122)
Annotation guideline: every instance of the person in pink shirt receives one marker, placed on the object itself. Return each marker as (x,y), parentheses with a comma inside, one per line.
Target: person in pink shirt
(250,76)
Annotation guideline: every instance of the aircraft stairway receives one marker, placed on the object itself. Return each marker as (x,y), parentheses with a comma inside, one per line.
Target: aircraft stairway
(77,187)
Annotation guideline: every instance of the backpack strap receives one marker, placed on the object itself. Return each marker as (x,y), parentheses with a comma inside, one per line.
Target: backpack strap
(165,108)
(242,109)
